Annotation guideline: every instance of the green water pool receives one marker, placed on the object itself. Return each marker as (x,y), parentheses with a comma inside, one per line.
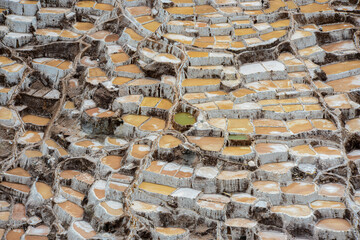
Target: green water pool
(184,119)
(238,137)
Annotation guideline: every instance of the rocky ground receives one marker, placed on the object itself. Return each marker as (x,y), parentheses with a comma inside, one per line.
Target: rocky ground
(179,119)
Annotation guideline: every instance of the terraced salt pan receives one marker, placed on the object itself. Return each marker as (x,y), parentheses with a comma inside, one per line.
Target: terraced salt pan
(238,222)
(283,93)
(81,228)
(320,204)
(112,208)
(97,191)
(170,231)
(272,235)
(154,192)
(332,190)
(334,224)
(346,84)
(296,211)
(140,150)
(169,141)
(31,137)
(340,46)
(336,71)
(208,143)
